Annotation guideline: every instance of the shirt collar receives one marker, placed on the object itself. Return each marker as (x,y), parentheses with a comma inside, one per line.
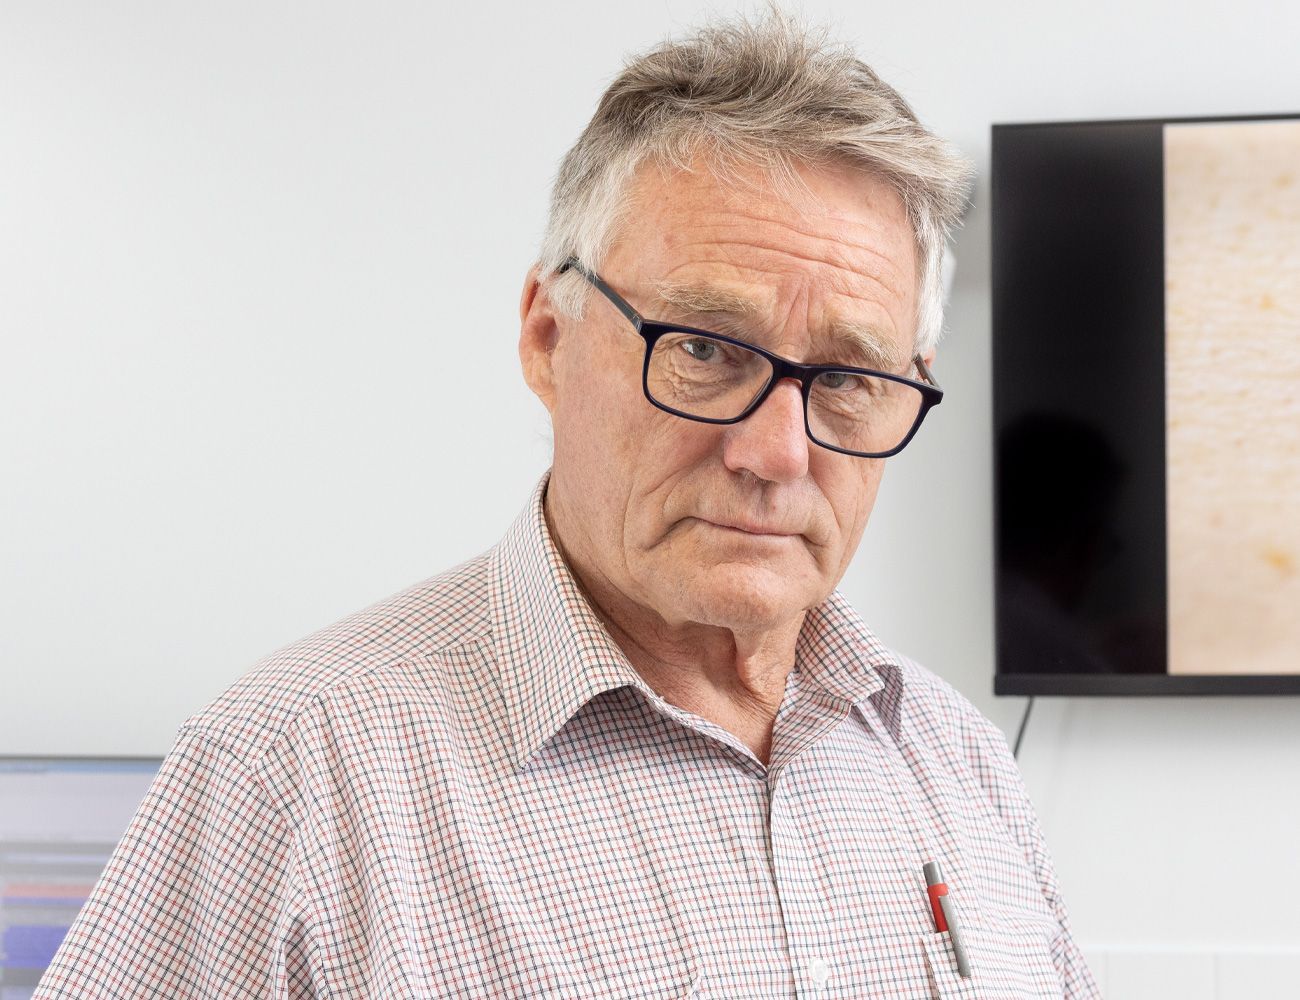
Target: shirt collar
(554,653)
(838,653)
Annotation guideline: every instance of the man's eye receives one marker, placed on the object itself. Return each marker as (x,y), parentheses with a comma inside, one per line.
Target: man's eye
(700,350)
(834,380)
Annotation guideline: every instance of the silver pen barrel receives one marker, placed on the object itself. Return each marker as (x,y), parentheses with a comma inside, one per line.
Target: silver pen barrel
(954,935)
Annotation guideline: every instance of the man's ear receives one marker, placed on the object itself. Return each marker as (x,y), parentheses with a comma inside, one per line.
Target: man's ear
(538,334)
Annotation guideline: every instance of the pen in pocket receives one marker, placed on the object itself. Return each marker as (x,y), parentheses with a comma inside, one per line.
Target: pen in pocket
(945,915)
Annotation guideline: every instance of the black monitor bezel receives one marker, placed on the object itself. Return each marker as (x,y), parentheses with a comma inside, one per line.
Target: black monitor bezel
(1121,685)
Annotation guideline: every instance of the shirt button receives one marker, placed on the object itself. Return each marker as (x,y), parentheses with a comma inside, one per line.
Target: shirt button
(819,972)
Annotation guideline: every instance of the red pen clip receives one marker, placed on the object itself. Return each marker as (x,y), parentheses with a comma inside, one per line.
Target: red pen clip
(935,890)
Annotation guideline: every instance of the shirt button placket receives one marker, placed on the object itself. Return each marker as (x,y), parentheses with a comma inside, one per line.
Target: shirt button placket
(801,905)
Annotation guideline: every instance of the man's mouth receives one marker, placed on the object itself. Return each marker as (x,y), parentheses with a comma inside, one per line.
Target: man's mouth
(750,528)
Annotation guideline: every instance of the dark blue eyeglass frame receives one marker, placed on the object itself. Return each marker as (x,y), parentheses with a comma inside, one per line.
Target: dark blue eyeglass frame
(782,368)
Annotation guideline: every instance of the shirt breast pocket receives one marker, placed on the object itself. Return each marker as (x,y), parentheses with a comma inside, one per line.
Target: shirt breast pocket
(1011,965)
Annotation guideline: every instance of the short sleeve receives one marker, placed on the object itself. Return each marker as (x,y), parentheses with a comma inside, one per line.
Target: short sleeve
(200,897)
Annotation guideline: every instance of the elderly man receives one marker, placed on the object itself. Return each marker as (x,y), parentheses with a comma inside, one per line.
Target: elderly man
(642,747)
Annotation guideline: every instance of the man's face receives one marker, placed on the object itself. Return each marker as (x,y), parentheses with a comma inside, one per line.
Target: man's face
(742,526)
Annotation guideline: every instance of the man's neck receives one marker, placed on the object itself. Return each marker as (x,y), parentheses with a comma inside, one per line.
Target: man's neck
(734,679)
(737,691)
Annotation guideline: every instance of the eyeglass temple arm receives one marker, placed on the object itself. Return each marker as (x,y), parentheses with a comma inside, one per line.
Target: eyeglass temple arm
(924,369)
(620,304)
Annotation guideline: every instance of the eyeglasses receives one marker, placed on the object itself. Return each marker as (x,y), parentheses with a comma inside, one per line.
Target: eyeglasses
(720,380)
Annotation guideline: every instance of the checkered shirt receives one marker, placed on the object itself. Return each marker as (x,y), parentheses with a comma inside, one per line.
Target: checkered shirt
(466,790)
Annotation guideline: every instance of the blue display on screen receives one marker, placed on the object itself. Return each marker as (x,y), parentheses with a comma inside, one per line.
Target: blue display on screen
(60,820)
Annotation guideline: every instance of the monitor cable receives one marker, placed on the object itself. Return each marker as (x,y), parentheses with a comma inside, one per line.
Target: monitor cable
(1020,733)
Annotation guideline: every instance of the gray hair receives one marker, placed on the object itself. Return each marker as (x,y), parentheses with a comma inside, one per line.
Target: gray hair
(764,94)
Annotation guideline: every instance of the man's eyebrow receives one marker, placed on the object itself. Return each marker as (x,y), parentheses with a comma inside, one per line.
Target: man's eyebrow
(871,348)
(706,299)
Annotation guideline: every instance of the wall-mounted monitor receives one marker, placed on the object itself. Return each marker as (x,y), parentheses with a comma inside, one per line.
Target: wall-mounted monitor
(1146,396)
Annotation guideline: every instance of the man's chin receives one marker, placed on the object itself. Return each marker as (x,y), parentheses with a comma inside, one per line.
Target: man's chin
(742,597)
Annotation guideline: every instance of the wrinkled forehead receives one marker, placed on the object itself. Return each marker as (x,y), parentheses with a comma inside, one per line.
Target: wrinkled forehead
(744,252)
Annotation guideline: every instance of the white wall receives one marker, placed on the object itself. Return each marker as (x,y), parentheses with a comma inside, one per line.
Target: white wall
(239,243)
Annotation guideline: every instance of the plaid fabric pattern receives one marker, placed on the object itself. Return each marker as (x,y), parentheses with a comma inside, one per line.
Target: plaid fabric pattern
(467,791)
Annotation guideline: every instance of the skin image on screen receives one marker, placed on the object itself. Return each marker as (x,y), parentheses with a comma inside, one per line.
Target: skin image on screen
(1232,397)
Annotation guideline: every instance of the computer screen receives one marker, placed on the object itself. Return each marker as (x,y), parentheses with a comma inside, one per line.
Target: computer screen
(1146,397)
(60,819)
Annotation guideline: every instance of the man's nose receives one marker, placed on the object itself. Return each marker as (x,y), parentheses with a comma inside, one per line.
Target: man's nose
(771,442)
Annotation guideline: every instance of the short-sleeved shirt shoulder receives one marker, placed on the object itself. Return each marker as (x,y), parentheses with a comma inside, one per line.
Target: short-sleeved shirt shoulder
(441,613)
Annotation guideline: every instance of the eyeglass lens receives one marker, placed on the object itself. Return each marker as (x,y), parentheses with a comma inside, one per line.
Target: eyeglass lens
(717,380)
